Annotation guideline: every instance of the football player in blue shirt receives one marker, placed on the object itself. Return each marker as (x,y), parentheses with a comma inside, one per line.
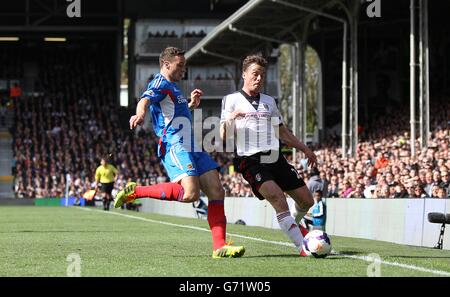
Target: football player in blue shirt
(189,168)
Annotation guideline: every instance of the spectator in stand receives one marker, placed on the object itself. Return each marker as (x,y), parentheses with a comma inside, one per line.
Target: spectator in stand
(428,183)
(434,191)
(315,183)
(316,215)
(445,184)
(382,160)
(419,192)
(15,91)
(2,112)
(400,191)
(325,182)
(347,189)
(358,192)
(442,193)
(333,188)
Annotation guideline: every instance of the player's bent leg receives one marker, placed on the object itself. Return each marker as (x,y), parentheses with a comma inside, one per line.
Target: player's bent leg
(191,186)
(303,198)
(275,196)
(303,202)
(163,191)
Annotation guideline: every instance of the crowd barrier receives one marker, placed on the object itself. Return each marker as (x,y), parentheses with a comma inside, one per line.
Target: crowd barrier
(59,201)
(402,221)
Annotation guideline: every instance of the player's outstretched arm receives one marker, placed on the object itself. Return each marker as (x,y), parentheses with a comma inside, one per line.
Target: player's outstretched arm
(141,109)
(289,139)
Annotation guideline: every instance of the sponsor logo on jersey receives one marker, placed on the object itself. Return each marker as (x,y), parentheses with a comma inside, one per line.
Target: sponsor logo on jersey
(181,99)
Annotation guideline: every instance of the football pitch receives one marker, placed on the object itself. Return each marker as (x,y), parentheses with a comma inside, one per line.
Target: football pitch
(41,241)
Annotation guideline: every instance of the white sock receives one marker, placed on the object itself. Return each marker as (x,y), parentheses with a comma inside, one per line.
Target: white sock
(288,225)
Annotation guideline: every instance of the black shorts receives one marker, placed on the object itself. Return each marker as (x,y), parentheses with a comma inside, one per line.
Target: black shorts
(107,188)
(281,172)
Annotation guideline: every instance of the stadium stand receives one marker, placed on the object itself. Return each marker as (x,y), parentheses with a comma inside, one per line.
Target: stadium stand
(69,125)
(72,119)
(72,123)
(384,160)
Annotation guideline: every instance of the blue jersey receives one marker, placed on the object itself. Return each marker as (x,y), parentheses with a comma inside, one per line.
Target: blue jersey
(318,213)
(170,113)
(172,122)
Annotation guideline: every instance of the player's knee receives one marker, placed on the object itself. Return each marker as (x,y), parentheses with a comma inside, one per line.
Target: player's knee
(273,196)
(278,202)
(309,202)
(191,196)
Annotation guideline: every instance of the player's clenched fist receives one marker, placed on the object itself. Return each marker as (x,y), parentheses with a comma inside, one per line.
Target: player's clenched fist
(195,98)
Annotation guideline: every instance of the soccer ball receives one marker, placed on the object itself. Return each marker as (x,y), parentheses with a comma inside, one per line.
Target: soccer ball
(317,243)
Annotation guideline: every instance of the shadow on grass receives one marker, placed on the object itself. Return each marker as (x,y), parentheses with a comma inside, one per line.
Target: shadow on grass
(273,256)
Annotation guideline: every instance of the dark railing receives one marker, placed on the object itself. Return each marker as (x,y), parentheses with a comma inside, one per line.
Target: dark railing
(153,46)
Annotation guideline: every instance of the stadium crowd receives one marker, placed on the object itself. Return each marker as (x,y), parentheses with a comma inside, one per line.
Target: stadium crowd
(73,123)
(70,126)
(384,167)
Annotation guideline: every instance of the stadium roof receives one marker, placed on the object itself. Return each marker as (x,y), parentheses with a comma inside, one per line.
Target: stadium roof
(258,25)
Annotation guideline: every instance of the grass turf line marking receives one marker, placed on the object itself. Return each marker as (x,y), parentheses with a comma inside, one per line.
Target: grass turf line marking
(363,258)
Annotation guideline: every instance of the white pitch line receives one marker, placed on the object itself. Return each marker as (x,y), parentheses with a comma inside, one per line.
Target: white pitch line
(363,258)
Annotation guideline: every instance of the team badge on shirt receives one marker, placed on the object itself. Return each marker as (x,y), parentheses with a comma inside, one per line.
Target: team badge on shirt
(258,177)
(264,106)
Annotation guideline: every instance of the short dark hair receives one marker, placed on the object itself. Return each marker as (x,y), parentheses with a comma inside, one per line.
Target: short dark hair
(254,59)
(107,157)
(314,171)
(169,53)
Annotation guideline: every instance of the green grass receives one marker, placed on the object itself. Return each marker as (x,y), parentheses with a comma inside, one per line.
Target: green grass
(35,241)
